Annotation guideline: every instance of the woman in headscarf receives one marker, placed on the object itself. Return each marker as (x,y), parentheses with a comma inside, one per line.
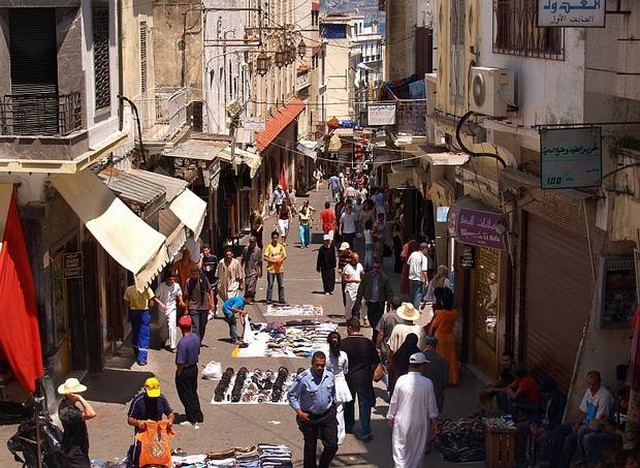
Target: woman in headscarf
(399,362)
(338,363)
(442,327)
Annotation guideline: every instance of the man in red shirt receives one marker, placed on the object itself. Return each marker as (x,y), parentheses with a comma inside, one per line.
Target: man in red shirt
(523,393)
(328,220)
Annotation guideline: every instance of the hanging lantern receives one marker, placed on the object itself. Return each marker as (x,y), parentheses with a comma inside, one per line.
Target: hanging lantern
(291,52)
(280,58)
(262,63)
(302,49)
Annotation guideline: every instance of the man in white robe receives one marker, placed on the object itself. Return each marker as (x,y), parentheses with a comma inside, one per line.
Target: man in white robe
(413,415)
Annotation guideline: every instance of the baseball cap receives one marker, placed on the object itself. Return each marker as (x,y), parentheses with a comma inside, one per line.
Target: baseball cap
(417,358)
(326,237)
(344,246)
(152,387)
(184,321)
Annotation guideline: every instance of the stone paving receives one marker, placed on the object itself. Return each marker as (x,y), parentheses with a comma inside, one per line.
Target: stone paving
(241,425)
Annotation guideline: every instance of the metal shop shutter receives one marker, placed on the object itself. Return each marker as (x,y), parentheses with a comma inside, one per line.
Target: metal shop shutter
(558,289)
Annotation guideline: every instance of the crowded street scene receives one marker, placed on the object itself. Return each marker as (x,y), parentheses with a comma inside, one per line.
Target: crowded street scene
(300,233)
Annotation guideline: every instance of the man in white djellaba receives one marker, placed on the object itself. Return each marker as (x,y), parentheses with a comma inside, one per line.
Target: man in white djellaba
(413,415)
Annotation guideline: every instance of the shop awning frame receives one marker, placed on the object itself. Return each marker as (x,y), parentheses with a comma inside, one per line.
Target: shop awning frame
(128,239)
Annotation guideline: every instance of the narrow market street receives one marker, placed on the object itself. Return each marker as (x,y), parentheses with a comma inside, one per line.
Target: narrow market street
(233,425)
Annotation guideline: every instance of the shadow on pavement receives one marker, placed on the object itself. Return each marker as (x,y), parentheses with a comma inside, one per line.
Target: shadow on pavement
(114,385)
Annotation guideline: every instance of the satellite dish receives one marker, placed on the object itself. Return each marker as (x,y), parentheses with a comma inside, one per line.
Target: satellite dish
(479,89)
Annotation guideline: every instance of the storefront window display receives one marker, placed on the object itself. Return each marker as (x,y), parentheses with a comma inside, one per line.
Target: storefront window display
(487,298)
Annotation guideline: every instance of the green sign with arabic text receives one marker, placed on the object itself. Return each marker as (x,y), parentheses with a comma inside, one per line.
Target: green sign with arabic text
(570,157)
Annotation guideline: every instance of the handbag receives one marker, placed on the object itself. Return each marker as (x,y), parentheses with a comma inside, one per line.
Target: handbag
(378,372)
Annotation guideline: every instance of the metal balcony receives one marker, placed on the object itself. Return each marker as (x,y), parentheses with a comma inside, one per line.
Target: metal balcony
(164,114)
(41,114)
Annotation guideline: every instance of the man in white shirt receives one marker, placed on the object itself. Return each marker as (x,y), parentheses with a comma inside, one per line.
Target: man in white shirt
(170,295)
(418,273)
(351,277)
(595,408)
(348,224)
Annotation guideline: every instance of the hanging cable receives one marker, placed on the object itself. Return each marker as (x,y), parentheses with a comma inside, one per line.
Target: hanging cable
(461,122)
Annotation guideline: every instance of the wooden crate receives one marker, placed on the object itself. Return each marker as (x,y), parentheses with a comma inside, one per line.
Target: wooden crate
(500,447)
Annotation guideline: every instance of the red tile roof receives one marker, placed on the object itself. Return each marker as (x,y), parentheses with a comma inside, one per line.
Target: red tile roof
(278,122)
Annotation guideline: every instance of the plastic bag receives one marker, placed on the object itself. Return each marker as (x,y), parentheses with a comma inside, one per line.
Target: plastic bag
(247,335)
(155,444)
(212,371)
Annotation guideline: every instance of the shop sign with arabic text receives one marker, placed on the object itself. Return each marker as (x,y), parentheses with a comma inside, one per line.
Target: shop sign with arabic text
(570,157)
(571,14)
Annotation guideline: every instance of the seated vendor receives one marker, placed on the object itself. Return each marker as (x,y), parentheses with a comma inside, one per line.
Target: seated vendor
(498,387)
(523,394)
(535,432)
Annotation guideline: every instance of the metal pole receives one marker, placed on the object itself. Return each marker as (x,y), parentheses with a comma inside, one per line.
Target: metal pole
(36,410)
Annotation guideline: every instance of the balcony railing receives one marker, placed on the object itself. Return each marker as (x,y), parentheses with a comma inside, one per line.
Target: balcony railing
(164,114)
(41,114)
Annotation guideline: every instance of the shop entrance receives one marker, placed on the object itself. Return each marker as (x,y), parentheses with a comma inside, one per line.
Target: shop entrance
(486,316)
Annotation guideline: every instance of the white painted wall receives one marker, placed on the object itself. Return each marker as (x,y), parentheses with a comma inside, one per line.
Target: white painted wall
(547,91)
(223,66)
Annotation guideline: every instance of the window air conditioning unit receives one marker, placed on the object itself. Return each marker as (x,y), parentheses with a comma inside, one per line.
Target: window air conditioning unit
(492,91)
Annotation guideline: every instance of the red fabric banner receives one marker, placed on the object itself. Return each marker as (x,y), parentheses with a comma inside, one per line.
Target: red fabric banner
(19,334)
(283,177)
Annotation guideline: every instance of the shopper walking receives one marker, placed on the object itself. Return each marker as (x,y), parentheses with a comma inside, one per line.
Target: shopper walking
(187,373)
(312,396)
(363,359)
(442,327)
(137,302)
(418,274)
(351,277)
(413,415)
(209,266)
(338,363)
(344,257)
(230,275)
(326,265)
(182,268)
(327,221)
(275,254)
(251,260)
(305,219)
(74,411)
(170,295)
(348,224)
(200,301)
(436,369)
(277,199)
(284,220)
(376,290)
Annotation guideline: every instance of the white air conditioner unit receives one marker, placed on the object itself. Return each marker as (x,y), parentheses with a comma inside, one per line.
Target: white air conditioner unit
(492,91)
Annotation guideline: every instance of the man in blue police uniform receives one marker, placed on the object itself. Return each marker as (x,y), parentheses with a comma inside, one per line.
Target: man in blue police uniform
(312,396)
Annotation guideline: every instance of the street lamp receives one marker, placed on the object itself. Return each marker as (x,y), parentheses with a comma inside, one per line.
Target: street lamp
(280,57)
(302,49)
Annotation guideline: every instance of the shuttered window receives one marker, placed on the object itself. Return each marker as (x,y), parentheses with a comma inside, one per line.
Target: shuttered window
(100,16)
(143,56)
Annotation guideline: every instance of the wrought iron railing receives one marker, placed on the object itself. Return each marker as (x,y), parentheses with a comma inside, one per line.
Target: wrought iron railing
(515,32)
(168,107)
(41,114)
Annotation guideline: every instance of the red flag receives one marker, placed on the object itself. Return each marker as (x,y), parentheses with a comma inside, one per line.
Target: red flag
(283,177)
(19,334)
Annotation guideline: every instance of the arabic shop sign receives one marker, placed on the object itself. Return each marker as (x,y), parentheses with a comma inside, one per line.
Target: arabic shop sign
(570,157)
(573,14)
(381,114)
(474,226)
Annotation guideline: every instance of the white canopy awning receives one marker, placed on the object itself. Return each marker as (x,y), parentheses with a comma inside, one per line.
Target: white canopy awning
(128,239)
(175,232)
(252,160)
(190,209)
(186,205)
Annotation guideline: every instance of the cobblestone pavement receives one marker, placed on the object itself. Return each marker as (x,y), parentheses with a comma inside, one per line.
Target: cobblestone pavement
(241,425)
